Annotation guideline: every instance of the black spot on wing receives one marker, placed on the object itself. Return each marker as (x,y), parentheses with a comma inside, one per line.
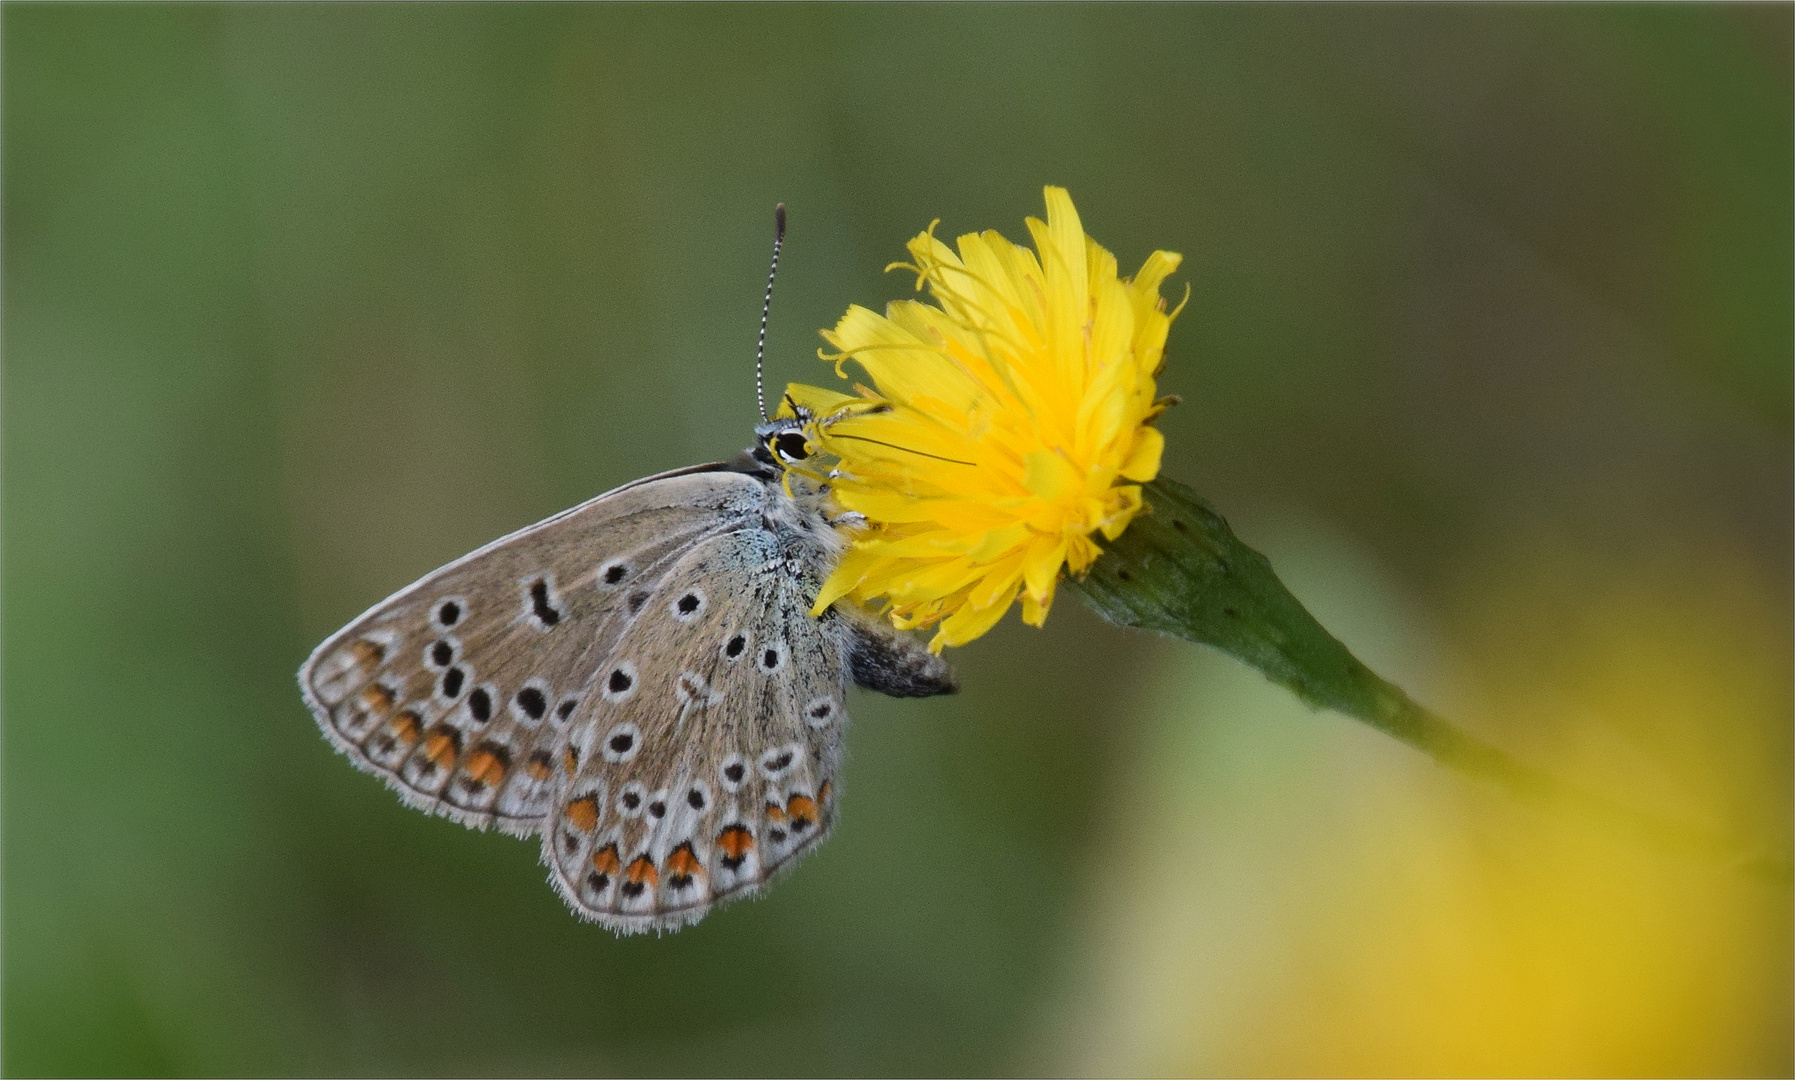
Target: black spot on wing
(545,612)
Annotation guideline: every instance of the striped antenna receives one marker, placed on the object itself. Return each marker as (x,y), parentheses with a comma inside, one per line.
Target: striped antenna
(760,347)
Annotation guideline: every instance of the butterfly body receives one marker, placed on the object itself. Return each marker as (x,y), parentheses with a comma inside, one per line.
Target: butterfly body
(636,681)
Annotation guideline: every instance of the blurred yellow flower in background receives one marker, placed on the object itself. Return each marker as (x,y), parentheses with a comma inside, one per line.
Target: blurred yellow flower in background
(1305,897)
(1006,424)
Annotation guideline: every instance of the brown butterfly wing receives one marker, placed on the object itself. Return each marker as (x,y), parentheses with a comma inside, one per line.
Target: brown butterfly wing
(460,690)
(711,738)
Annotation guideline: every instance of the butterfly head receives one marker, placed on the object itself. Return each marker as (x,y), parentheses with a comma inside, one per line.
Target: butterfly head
(793,440)
(789,446)
(782,442)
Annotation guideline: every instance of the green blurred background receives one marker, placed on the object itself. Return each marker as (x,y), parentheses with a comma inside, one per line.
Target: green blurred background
(1489,348)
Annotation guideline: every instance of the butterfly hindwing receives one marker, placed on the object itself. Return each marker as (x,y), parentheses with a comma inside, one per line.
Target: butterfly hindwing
(460,689)
(709,769)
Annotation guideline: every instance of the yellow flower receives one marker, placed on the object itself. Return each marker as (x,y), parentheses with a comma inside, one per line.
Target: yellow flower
(1006,424)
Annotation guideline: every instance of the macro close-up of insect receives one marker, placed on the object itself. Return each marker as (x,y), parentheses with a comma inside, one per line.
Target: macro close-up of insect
(637,680)
(1224,540)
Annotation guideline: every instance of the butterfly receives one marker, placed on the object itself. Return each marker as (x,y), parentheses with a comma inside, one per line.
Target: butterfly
(636,681)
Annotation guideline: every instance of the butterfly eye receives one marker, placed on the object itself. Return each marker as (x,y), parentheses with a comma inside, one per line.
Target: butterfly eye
(791,445)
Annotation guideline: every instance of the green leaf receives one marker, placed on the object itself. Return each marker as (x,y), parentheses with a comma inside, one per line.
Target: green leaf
(1180,570)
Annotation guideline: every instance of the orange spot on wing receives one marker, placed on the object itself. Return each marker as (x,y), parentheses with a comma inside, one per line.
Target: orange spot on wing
(368,653)
(775,812)
(441,746)
(735,841)
(823,793)
(642,872)
(583,813)
(683,862)
(407,726)
(377,699)
(484,765)
(571,760)
(605,860)
(802,809)
(538,766)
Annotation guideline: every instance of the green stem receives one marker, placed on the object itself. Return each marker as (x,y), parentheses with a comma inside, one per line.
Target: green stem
(1180,570)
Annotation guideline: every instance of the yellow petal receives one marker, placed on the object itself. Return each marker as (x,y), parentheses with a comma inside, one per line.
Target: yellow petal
(818,401)
(1051,477)
(1041,567)
(1129,499)
(852,568)
(1154,271)
(969,622)
(1143,462)
(998,585)
(992,544)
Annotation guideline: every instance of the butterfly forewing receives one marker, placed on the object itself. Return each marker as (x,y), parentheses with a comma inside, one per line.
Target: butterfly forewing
(462,689)
(710,739)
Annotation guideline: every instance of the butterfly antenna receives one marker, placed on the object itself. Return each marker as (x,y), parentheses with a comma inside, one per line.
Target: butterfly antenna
(760,347)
